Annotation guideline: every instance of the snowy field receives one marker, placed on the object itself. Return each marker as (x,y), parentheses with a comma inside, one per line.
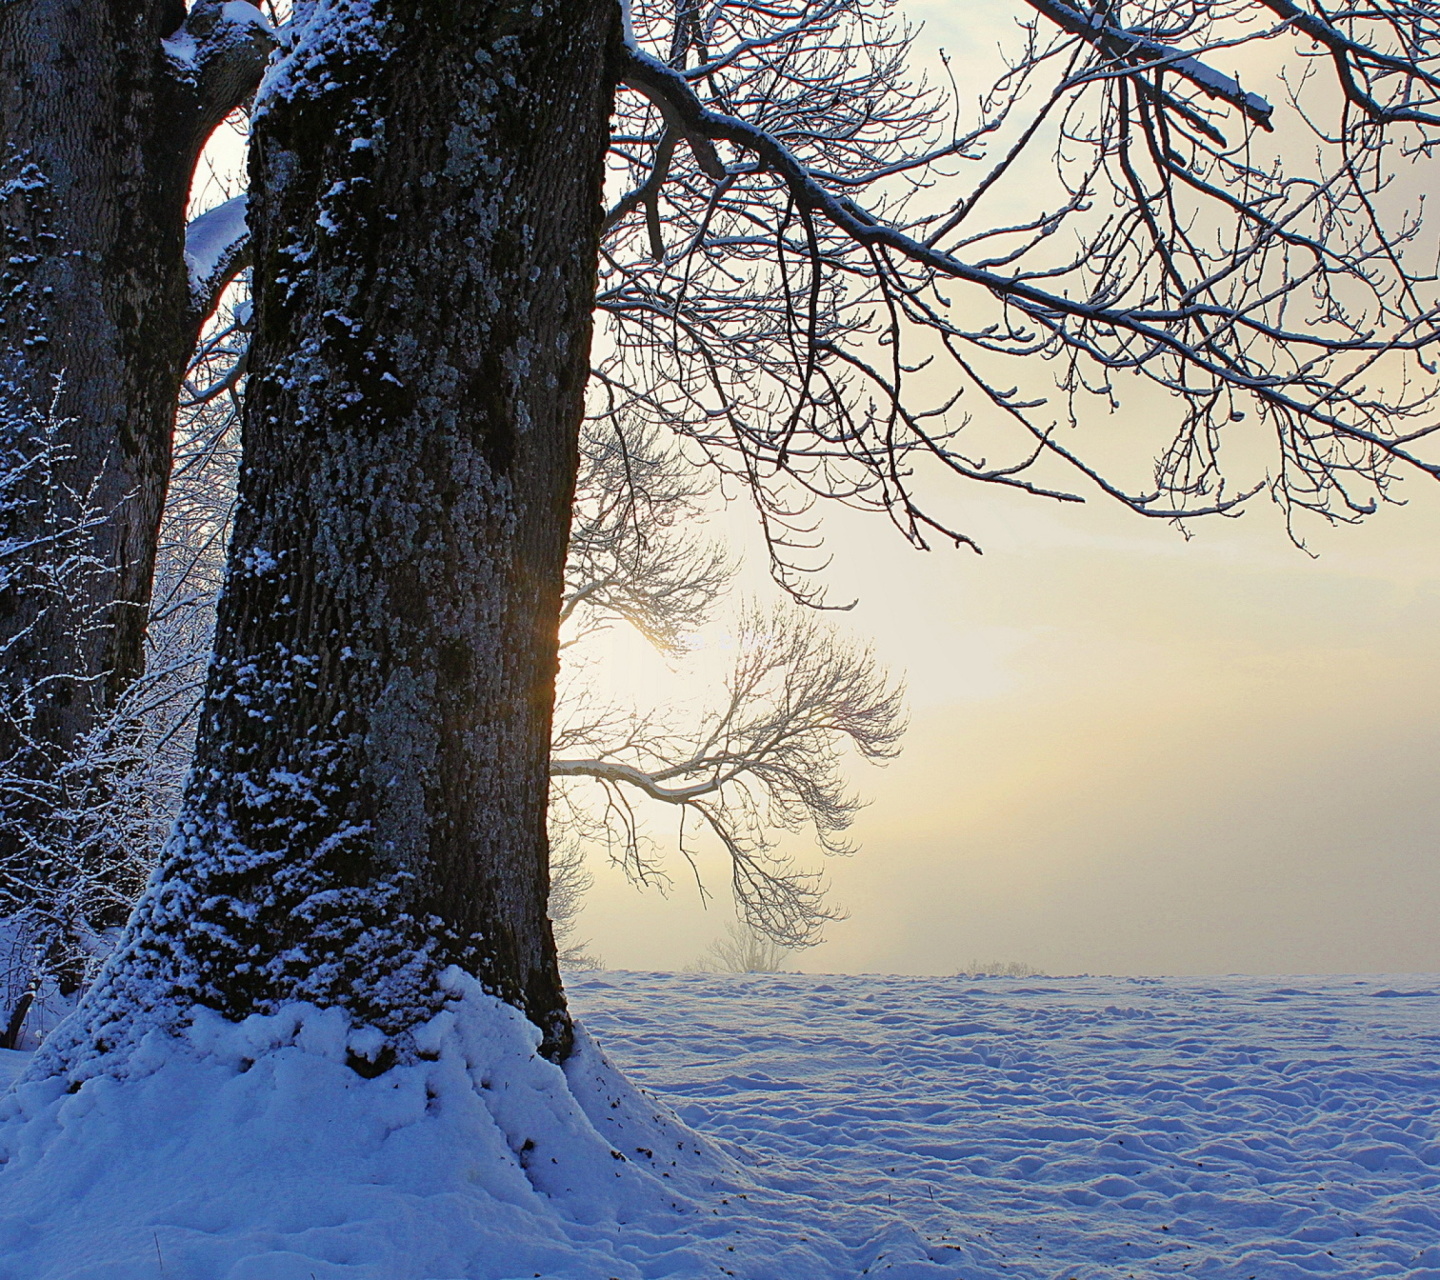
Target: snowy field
(828,1128)
(1091,1127)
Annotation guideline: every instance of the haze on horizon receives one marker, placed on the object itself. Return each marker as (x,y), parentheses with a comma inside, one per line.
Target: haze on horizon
(1129,753)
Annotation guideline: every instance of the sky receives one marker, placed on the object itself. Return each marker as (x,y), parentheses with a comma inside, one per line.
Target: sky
(1129,753)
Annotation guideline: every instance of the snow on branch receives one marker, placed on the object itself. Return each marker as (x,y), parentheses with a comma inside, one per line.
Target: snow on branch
(659,81)
(218,56)
(1134,51)
(217,249)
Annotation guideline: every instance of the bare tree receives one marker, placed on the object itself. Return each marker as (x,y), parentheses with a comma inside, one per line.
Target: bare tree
(741,950)
(634,556)
(764,764)
(423,307)
(49,552)
(570,881)
(635,559)
(999,969)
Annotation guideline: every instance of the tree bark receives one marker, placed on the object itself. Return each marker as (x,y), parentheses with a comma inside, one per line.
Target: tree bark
(101,122)
(368,800)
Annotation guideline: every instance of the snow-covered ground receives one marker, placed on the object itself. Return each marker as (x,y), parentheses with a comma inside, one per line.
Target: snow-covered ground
(919,1128)
(1090,1127)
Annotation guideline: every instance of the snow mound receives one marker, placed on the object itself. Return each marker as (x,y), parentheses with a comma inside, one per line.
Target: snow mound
(254,1152)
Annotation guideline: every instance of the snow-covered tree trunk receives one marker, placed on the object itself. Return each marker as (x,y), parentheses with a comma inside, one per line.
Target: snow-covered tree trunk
(104,107)
(368,802)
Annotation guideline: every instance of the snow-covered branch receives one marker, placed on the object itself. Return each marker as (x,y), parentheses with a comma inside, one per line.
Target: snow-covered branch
(1133,51)
(1362,67)
(217,249)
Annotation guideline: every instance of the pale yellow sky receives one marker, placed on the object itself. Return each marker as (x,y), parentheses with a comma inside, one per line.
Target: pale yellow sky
(1128,753)
(1131,754)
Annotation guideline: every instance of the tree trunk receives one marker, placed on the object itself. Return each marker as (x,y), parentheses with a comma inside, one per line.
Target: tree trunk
(101,122)
(368,800)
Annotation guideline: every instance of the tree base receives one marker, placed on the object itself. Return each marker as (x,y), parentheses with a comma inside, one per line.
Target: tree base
(256,1150)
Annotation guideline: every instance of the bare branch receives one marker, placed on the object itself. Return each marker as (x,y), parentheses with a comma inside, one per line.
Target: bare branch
(784,331)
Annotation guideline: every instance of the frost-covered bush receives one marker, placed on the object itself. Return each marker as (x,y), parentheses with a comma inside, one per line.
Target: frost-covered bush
(59,878)
(79,845)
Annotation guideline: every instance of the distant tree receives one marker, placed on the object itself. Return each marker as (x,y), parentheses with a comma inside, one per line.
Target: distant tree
(635,555)
(999,969)
(570,881)
(368,800)
(742,950)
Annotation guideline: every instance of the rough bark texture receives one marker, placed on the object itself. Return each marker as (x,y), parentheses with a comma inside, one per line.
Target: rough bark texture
(101,122)
(368,803)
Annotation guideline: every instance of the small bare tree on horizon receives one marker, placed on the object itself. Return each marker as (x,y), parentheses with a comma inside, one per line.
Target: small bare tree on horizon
(741,949)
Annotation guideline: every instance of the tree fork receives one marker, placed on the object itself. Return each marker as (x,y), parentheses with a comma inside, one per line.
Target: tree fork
(368,802)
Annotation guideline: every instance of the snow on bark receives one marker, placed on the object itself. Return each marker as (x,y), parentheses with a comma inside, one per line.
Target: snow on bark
(217,54)
(368,800)
(324,36)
